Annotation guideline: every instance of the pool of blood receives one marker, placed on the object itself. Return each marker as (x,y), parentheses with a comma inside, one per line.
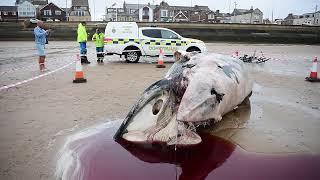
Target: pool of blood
(100,158)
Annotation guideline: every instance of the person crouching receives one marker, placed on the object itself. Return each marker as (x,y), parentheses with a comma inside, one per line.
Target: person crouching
(98,39)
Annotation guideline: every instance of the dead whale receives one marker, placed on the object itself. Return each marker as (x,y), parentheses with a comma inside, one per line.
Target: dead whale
(198,90)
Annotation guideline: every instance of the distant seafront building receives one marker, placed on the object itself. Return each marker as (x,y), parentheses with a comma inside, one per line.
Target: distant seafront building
(166,13)
(8,13)
(79,11)
(130,12)
(26,10)
(307,19)
(247,16)
(51,12)
(29,8)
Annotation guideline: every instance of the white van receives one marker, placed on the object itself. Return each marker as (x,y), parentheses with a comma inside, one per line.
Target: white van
(126,38)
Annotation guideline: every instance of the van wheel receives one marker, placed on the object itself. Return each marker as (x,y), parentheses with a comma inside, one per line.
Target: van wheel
(132,56)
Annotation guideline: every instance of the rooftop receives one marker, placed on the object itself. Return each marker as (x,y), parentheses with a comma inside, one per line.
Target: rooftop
(8,8)
(80,3)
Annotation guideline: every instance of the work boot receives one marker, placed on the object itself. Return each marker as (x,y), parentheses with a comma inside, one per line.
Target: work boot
(83,59)
(86,60)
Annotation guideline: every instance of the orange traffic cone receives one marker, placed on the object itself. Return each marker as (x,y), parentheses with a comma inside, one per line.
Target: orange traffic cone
(79,76)
(160,60)
(314,72)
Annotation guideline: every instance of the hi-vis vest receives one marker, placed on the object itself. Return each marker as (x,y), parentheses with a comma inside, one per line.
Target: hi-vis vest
(82,33)
(98,39)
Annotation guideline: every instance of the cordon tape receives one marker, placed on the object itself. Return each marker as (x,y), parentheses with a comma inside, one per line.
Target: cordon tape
(33,78)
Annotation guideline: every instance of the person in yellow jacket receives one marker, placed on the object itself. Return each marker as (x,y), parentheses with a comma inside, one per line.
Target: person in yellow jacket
(98,39)
(82,40)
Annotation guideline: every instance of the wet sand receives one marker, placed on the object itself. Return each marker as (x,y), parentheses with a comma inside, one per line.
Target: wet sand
(36,118)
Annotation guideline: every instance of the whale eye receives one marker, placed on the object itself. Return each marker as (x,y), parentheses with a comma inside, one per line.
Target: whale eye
(157,106)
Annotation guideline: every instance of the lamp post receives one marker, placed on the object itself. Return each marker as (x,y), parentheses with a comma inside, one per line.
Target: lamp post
(94,10)
(67,13)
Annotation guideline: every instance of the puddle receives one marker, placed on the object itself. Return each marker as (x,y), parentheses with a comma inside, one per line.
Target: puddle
(92,154)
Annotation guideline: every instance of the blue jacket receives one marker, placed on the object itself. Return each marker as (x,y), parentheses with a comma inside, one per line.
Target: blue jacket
(40,35)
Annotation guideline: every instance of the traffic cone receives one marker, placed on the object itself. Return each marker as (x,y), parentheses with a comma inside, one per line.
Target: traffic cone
(79,76)
(314,72)
(160,60)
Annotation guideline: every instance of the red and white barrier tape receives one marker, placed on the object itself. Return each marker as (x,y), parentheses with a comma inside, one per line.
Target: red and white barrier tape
(34,78)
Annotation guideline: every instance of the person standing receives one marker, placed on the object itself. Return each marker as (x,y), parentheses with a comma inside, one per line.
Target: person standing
(98,39)
(82,40)
(40,39)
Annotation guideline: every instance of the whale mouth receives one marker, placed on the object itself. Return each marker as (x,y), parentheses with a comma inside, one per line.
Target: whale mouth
(182,136)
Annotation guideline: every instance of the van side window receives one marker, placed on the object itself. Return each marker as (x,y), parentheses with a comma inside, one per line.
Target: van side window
(168,35)
(152,33)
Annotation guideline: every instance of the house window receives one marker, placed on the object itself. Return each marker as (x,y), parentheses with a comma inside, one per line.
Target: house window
(14,13)
(47,12)
(57,12)
(5,13)
(164,13)
(171,13)
(132,11)
(80,13)
(145,11)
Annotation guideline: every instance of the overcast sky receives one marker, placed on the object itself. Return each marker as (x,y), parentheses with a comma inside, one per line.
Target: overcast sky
(281,8)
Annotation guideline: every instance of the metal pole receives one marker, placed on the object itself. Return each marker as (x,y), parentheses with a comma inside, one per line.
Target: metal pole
(314,16)
(94,10)
(66,10)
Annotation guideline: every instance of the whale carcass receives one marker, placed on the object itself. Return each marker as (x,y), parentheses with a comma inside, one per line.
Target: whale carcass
(198,90)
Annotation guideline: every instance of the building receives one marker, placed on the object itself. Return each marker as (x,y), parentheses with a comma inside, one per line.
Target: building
(130,12)
(308,19)
(211,17)
(222,17)
(112,14)
(79,11)
(251,16)
(166,13)
(52,12)
(38,4)
(146,13)
(199,14)
(8,13)
(289,19)
(26,10)
(139,12)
